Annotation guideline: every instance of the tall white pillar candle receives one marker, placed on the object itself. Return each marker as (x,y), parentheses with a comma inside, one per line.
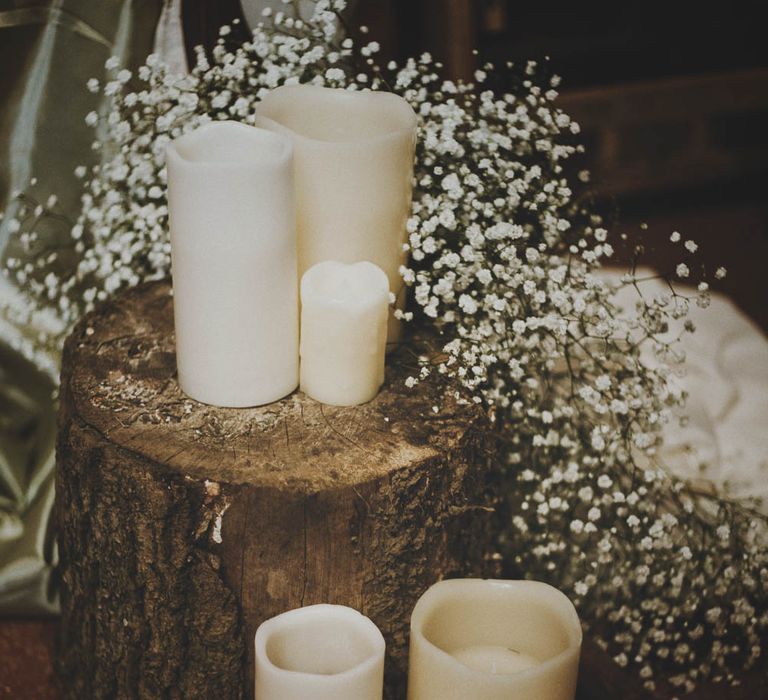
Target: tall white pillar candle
(344,311)
(354,165)
(493,640)
(233,251)
(322,652)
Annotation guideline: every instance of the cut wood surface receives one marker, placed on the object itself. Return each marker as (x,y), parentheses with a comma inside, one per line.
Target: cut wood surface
(183,526)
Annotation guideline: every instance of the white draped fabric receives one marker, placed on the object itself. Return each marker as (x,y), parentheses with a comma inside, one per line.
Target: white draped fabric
(726,376)
(169,38)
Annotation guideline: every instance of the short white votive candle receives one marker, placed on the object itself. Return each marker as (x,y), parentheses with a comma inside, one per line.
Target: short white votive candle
(233,250)
(322,652)
(493,640)
(344,311)
(354,155)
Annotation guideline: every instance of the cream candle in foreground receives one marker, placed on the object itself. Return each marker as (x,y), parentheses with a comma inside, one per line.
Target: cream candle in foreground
(354,165)
(233,250)
(322,652)
(344,310)
(493,640)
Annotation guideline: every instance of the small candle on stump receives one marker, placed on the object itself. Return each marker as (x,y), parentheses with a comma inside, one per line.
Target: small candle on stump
(343,332)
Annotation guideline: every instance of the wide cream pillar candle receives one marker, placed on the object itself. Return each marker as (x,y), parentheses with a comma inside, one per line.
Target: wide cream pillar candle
(354,165)
(322,652)
(344,309)
(233,252)
(493,640)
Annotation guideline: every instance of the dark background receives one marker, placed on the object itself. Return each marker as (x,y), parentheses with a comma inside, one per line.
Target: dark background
(672,99)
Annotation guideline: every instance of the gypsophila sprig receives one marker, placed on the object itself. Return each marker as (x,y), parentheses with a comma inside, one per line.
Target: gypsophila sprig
(505,263)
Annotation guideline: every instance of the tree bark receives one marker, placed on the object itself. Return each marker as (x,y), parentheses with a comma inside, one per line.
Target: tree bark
(183,526)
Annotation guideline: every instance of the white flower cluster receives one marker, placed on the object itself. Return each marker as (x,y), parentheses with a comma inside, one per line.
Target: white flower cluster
(504,264)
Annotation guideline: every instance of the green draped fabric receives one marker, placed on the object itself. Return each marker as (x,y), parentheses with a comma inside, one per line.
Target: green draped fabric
(48,50)
(27,431)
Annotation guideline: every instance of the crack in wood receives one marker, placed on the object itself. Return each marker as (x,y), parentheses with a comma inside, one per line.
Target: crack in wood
(306,555)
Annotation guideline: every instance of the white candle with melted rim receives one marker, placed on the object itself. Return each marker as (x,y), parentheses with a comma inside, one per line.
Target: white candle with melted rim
(344,311)
(354,165)
(322,652)
(233,249)
(493,640)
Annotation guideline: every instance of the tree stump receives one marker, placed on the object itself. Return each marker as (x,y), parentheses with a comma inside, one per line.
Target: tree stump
(183,526)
